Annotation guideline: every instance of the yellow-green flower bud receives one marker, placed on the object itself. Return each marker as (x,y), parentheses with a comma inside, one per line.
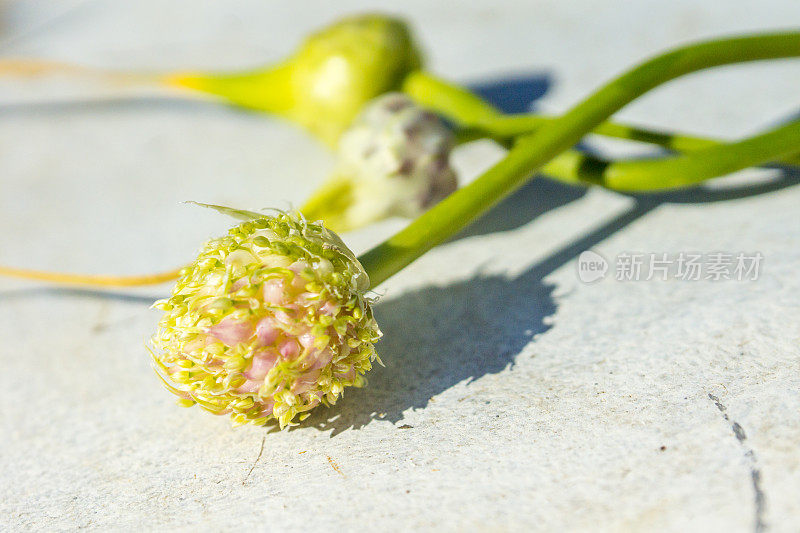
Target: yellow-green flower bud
(394,160)
(268,322)
(324,84)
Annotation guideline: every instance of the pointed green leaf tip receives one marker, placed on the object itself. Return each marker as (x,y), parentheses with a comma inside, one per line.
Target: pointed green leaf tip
(324,84)
(238,214)
(268,322)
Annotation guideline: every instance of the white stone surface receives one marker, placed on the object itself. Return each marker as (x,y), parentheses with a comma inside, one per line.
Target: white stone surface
(514,397)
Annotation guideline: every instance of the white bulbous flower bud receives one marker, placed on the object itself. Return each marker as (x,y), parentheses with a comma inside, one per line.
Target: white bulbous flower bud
(394,160)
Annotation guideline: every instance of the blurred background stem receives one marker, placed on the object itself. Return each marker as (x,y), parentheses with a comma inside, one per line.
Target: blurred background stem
(478,119)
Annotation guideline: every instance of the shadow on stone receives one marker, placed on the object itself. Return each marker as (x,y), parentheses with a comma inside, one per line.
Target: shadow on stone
(518,93)
(533,199)
(513,93)
(437,337)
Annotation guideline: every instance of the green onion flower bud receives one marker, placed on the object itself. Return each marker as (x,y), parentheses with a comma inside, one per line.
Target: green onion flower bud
(268,322)
(324,84)
(393,161)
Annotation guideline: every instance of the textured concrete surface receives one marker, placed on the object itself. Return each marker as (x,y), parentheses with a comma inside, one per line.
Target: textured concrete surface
(514,396)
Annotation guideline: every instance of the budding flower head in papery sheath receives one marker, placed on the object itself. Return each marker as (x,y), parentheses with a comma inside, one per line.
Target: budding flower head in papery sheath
(268,322)
(324,84)
(394,160)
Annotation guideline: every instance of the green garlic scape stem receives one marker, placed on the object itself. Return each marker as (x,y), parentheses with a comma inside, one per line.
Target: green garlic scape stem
(679,171)
(330,203)
(535,150)
(327,80)
(709,158)
(321,86)
(480,119)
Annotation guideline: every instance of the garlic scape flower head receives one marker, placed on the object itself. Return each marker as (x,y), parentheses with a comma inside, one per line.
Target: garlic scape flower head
(268,322)
(325,83)
(394,160)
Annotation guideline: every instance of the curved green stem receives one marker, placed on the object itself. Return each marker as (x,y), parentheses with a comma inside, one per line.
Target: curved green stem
(264,89)
(680,171)
(533,151)
(330,203)
(677,171)
(478,119)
